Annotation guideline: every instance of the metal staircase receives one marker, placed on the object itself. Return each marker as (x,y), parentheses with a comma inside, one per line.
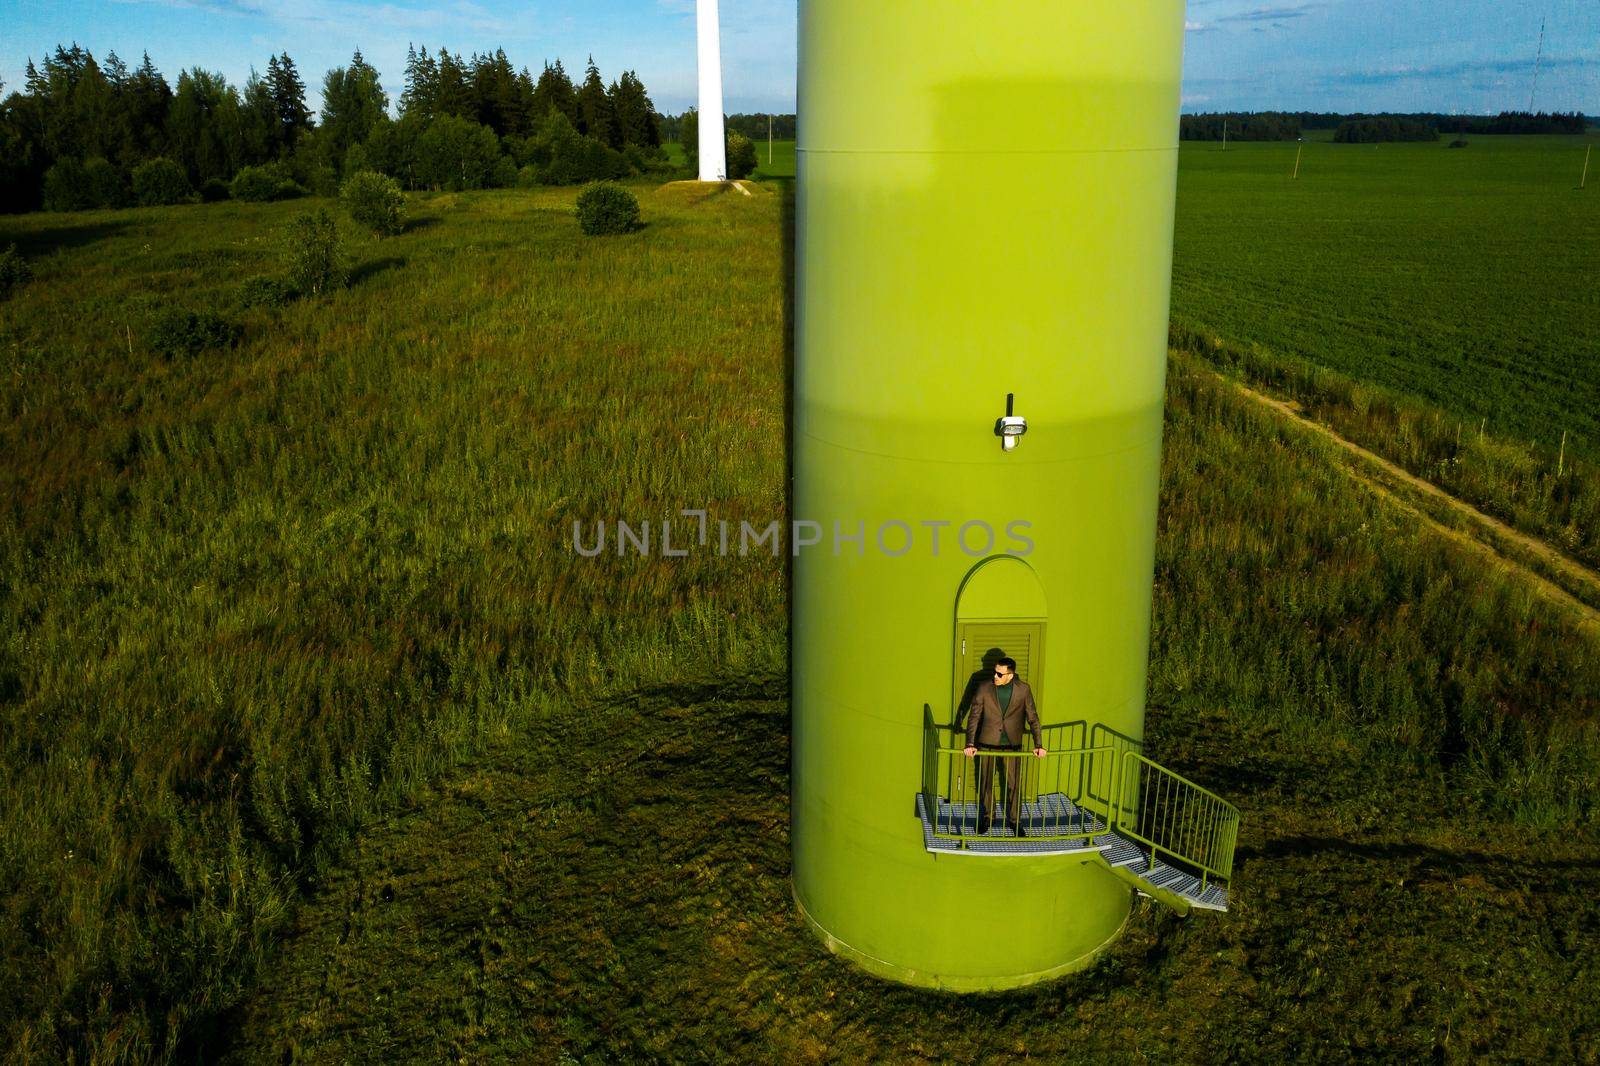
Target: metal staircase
(1092,794)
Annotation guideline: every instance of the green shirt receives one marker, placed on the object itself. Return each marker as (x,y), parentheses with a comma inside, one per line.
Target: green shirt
(1003,692)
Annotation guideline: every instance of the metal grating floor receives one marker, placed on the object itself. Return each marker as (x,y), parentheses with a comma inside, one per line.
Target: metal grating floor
(1055,814)
(1051,815)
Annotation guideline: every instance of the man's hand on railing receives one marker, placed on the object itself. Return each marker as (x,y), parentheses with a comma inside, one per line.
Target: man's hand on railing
(1040,752)
(969,751)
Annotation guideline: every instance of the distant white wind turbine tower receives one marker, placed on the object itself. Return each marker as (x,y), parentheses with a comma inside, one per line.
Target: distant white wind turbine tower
(713,153)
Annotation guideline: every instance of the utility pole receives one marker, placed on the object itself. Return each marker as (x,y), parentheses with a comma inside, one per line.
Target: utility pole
(769,140)
(1538,56)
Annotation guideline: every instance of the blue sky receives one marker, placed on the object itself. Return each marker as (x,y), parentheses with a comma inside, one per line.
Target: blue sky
(1337,55)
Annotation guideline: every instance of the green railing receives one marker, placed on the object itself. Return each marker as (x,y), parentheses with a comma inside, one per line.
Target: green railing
(1172,816)
(1111,785)
(1061,795)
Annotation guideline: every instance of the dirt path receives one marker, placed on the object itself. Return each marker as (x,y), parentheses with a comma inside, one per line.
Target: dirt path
(1571,569)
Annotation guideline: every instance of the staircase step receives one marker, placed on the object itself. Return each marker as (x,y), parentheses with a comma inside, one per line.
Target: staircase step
(1060,814)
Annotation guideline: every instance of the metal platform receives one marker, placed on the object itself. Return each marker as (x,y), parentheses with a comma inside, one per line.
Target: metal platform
(1051,815)
(1056,815)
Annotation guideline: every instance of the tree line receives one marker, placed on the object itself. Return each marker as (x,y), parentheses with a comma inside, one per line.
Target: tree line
(1366,128)
(1239,126)
(80,130)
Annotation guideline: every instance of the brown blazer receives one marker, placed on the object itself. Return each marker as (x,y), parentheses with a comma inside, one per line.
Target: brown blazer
(983,720)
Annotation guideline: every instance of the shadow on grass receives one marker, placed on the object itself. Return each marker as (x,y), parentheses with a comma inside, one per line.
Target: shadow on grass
(34,243)
(373,267)
(424,222)
(1425,856)
(585,890)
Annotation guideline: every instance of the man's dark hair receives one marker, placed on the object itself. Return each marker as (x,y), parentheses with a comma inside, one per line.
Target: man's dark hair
(1008,662)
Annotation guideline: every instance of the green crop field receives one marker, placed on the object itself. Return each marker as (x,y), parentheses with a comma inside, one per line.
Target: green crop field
(1468,277)
(319,744)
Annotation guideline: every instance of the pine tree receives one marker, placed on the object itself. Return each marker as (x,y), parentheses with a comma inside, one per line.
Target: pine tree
(635,114)
(289,100)
(454,96)
(594,108)
(554,90)
(422,85)
(116,71)
(353,102)
(501,106)
(149,100)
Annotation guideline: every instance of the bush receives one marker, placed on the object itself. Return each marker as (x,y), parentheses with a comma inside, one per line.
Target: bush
(604,207)
(160,181)
(265,291)
(504,174)
(374,202)
(14,271)
(66,187)
(259,184)
(316,261)
(741,157)
(289,189)
(107,183)
(213,190)
(1459,142)
(177,332)
(647,160)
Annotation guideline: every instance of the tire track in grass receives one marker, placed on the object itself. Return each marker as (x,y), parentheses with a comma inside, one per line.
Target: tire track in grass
(1570,569)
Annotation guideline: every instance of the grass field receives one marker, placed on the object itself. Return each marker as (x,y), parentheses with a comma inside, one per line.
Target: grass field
(1437,305)
(1465,276)
(318,742)
(772,161)
(631,903)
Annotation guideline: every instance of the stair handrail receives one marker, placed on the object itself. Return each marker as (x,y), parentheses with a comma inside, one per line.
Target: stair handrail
(1176,817)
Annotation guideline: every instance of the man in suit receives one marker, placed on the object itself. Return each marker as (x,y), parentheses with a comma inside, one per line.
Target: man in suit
(999,711)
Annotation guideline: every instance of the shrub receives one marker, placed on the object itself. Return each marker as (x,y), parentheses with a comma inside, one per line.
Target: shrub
(647,160)
(107,183)
(604,207)
(289,189)
(265,291)
(1459,142)
(504,174)
(374,202)
(741,157)
(259,184)
(160,181)
(213,190)
(177,332)
(66,187)
(14,271)
(316,261)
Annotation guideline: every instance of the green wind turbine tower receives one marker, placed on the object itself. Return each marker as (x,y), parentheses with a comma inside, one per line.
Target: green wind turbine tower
(983,267)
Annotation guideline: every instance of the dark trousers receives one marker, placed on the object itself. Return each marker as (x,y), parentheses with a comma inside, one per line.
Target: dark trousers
(1011,766)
